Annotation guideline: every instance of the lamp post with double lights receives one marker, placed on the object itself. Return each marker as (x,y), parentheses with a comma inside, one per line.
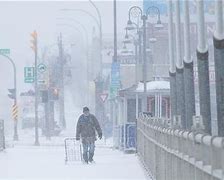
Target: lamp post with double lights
(134,26)
(129,38)
(144,17)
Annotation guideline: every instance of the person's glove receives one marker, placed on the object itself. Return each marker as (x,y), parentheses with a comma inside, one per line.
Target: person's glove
(100,136)
(77,138)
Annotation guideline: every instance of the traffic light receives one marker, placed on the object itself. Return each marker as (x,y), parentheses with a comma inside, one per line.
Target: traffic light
(34,41)
(12,93)
(54,93)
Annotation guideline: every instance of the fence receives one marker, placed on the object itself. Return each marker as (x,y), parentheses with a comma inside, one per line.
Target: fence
(2,135)
(172,154)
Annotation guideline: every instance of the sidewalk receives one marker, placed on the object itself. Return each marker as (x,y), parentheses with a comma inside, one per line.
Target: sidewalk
(47,162)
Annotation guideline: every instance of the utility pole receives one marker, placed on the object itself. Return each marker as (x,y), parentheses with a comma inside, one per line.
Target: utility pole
(172,70)
(35,49)
(45,100)
(61,98)
(218,40)
(203,69)
(188,71)
(112,103)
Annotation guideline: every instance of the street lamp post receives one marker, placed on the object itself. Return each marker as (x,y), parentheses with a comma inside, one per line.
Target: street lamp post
(15,136)
(144,18)
(127,40)
(136,44)
(139,43)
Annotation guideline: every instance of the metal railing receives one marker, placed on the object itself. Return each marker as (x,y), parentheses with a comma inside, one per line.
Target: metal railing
(174,154)
(2,135)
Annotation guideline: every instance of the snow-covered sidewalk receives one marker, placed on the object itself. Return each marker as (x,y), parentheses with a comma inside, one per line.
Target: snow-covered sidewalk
(47,162)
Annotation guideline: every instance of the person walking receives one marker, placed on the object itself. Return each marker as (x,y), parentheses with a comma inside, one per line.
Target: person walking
(86,129)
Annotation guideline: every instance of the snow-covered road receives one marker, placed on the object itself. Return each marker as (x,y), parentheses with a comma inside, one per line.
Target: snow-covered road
(47,162)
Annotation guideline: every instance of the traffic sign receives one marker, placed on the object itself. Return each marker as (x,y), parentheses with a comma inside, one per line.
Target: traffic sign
(41,68)
(104,97)
(29,74)
(115,79)
(5,51)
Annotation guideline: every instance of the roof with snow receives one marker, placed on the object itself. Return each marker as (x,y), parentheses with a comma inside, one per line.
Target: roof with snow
(153,85)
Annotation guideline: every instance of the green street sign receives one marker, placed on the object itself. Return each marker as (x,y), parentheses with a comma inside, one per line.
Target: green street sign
(41,68)
(5,51)
(29,74)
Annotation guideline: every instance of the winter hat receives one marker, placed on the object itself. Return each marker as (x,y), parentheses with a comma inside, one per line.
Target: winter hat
(85,109)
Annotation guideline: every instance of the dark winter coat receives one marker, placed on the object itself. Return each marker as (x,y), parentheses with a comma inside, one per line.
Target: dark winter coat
(87,127)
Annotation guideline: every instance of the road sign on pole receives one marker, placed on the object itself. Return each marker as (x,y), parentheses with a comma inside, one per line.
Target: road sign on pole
(29,74)
(103,97)
(115,79)
(41,68)
(5,51)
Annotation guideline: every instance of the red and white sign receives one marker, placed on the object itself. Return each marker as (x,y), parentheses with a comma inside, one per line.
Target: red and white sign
(104,97)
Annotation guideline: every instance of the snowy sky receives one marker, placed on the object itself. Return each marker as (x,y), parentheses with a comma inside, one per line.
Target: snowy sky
(20,18)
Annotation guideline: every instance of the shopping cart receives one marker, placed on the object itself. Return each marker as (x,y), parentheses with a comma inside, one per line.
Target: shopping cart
(73,150)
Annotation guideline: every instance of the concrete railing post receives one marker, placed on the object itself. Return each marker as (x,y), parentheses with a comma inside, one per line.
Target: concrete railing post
(203,69)
(218,41)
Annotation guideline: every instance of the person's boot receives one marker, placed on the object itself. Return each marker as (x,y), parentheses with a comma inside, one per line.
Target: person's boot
(85,158)
(91,158)
(85,162)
